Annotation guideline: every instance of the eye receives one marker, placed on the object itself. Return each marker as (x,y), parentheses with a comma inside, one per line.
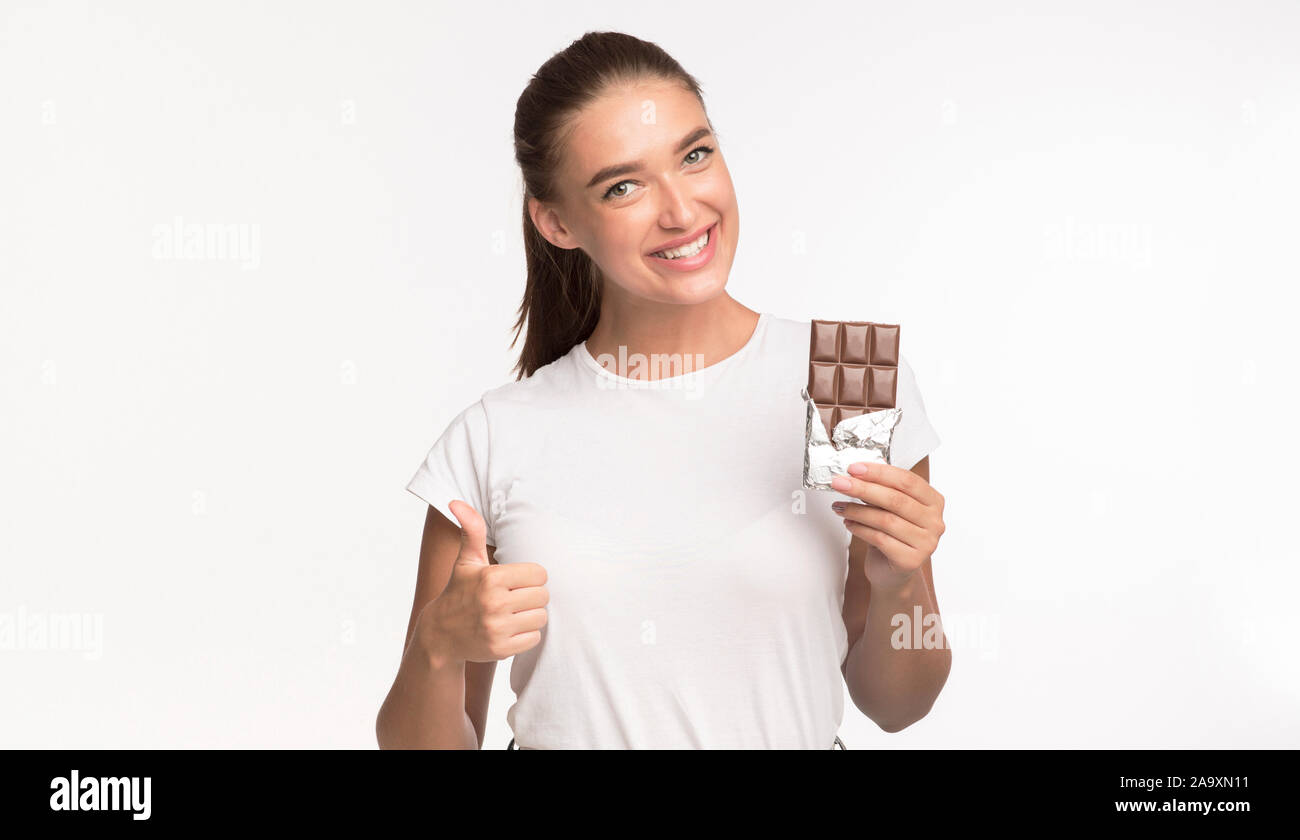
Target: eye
(706,149)
(611,192)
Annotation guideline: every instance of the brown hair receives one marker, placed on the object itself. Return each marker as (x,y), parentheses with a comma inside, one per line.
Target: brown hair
(561,302)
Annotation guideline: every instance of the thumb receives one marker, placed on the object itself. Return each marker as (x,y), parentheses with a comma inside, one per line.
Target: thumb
(473,534)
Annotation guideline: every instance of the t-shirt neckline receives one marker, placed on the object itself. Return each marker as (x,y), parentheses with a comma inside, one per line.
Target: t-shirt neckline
(708,370)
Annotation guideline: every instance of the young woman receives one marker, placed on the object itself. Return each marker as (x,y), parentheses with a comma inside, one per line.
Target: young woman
(635,534)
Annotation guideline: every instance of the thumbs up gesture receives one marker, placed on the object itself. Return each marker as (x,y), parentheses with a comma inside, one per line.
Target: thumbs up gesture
(486,612)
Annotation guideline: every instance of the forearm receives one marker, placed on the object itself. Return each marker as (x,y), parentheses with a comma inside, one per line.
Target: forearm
(425,708)
(897,687)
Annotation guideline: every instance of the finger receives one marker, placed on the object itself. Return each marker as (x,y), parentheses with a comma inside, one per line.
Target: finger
(888,546)
(473,533)
(882,520)
(882,496)
(527,598)
(900,479)
(522,642)
(521,575)
(526,621)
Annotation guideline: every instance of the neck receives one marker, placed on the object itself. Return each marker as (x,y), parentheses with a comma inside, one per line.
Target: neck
(705,333)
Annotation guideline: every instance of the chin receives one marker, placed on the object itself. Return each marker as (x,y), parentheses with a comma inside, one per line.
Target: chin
(690,290)
(695,287)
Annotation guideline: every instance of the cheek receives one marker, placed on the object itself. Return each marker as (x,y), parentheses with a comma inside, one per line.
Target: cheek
(720,191)
(621,241)
(722,198)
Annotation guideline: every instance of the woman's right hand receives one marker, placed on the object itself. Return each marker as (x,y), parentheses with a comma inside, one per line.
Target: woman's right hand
(486,612)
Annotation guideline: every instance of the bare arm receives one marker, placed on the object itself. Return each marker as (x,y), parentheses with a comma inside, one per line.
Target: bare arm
(435,702)
(895,688)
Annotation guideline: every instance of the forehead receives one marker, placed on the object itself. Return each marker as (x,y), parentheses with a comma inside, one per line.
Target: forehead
(640,121)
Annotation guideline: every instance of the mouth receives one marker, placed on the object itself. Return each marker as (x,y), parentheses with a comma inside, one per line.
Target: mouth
(693,253)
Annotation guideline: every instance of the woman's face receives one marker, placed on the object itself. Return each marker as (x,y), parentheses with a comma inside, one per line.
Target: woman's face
(642,173)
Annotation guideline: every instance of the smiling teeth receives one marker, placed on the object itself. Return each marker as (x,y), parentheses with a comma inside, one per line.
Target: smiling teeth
(686,250)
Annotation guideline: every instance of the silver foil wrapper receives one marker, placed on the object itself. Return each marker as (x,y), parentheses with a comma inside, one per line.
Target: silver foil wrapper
(862,438)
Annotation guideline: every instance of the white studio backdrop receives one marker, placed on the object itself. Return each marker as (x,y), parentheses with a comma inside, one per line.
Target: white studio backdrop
(1083,215)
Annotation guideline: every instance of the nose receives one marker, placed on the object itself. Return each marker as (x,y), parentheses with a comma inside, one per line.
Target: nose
(676,211)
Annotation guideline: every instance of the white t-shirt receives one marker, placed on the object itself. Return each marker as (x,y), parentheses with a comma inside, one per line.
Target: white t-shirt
(696,589)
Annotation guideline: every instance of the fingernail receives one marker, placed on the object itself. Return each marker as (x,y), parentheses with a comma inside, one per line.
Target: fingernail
(838,507)
(839,482)
(858,469)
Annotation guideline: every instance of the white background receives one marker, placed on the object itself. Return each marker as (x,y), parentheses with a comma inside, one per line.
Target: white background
(1084,215)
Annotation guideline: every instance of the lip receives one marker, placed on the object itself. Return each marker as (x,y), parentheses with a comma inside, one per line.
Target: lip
(685,240)
(691,263)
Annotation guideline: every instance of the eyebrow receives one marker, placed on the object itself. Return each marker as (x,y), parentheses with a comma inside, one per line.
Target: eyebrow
(624,168)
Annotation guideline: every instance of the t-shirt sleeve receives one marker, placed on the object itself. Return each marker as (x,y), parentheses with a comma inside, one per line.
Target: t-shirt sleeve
(456,468)
(914,436)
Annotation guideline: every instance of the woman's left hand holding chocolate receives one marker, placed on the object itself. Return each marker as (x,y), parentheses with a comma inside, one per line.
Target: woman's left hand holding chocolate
(902,518)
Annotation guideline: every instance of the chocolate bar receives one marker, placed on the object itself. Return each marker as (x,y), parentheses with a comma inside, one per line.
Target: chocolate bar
(852,369)
(849,409)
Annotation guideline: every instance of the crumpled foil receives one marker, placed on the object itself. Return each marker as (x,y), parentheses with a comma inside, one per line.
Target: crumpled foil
(863,438)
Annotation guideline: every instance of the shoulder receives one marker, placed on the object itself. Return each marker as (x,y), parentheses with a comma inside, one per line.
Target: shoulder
(788,330)
(786,338)
(548,383)
(906,374)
